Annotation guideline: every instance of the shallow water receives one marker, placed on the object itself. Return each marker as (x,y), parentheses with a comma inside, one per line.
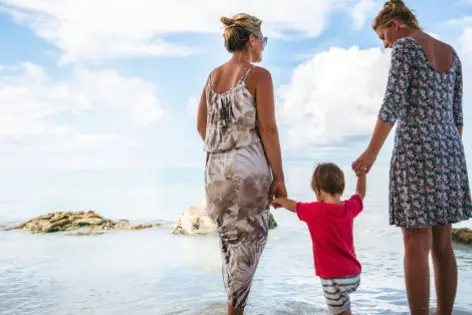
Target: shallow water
(155,272)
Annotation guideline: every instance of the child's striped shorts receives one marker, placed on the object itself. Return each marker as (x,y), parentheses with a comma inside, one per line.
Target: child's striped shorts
(337,290)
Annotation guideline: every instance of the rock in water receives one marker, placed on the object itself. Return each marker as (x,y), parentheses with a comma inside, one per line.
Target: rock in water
(77,223)
(195,221)
(463,235)
(141,227)
(84,231)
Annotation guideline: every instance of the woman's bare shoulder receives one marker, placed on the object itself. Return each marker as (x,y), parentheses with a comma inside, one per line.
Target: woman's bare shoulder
(218,69)
(259,75)
(261,71)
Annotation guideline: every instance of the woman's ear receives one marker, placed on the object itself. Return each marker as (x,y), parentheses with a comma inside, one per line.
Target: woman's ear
(251,40)
(396,24)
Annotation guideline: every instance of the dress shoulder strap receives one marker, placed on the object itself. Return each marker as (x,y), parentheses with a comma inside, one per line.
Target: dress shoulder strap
(208,85)
(244,78)
(209,77)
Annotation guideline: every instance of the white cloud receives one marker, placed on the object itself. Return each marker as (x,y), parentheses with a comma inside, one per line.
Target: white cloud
(192,108)
(90,29)
(92,111)
(360,11)
(333,97)
(29,97)
(465,45)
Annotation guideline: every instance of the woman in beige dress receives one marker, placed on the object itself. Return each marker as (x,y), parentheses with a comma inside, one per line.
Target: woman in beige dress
(243,166)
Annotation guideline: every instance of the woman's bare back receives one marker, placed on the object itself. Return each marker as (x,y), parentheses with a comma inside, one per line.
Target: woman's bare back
(439,54)
(228,75)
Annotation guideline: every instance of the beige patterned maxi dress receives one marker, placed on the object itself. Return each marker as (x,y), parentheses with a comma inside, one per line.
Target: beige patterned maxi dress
(238,179)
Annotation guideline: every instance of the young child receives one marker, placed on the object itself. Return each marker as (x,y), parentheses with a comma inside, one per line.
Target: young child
(330,221)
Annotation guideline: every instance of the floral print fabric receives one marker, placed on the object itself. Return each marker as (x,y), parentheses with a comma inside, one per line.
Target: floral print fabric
(429,183)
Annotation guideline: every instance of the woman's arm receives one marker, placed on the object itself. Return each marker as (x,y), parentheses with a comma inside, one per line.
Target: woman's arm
(202,115)
(267,124)
(367,159)
(394,100)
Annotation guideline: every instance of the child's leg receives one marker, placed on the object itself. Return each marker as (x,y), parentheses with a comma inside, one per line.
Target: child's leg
(337,291)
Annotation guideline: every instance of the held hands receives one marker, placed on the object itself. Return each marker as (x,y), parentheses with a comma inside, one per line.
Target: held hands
(279,202)
(277,189)
(284,202)
(362,165)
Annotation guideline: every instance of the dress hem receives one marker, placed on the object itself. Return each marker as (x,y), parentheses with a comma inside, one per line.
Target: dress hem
(452,221)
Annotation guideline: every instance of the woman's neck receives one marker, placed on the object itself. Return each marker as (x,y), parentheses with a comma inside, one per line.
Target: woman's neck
(241,57)
(409,32)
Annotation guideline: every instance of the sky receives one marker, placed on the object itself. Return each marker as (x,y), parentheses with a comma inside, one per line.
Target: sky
(115,84)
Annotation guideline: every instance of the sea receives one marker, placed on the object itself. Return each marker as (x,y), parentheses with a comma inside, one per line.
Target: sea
(156,272)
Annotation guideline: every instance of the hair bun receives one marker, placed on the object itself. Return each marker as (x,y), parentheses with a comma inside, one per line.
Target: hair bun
(393,4)
(226,21)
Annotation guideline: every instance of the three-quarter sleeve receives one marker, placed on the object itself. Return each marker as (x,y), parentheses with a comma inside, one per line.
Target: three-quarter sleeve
(398,82)
(457,100)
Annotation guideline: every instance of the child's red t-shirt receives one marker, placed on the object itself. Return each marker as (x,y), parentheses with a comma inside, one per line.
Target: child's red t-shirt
(331,230)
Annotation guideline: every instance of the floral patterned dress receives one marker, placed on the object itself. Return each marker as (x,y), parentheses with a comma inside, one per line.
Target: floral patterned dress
(429,184)
(238,179)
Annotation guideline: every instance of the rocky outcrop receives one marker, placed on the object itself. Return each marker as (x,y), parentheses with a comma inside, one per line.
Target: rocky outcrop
(463,235)
(77,223)
(195,221)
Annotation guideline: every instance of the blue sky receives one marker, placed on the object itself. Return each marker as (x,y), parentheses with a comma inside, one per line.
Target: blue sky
(85,84)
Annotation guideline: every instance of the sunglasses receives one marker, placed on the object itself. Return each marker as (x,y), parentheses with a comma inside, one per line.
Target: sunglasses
(263,39)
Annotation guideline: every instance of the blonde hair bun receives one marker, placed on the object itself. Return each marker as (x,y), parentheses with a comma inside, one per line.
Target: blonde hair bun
(394,3)
(395,9)
(226,20)
(238,29)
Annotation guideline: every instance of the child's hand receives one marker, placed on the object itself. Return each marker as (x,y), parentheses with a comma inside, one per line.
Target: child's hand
(284,203)
(278,202)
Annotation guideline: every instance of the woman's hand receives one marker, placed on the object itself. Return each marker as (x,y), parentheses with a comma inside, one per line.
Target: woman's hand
(277,189)
(364,162)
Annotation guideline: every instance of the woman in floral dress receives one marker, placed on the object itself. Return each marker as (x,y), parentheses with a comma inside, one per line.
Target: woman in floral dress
(429,185)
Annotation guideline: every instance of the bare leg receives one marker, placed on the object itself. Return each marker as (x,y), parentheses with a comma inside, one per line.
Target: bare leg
(235,311)
(445,269)
(417,247)
(346,313)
